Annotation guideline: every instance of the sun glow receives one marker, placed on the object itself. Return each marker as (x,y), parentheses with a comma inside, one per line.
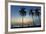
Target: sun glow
(25,20)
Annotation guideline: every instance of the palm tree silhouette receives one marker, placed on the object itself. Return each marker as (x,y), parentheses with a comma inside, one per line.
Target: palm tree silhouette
(22,13)
(32,13)
(37,13)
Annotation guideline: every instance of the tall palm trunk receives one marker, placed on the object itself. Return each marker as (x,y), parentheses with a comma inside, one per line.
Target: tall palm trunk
(33,19)
(22,21)
(39,19)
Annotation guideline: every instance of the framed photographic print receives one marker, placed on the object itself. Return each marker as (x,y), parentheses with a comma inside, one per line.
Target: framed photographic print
(25,16)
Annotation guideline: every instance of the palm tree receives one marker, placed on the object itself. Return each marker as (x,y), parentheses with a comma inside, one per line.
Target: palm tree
(22,12)
(31,13)
(37,13)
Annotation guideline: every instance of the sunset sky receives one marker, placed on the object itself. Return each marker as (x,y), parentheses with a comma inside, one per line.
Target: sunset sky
(16,17)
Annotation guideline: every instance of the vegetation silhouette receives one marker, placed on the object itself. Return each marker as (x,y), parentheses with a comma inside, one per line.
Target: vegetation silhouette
(22,12)
(32,13)
(37,13)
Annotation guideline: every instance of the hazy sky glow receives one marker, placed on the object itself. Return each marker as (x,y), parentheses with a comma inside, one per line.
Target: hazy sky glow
(15,12)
